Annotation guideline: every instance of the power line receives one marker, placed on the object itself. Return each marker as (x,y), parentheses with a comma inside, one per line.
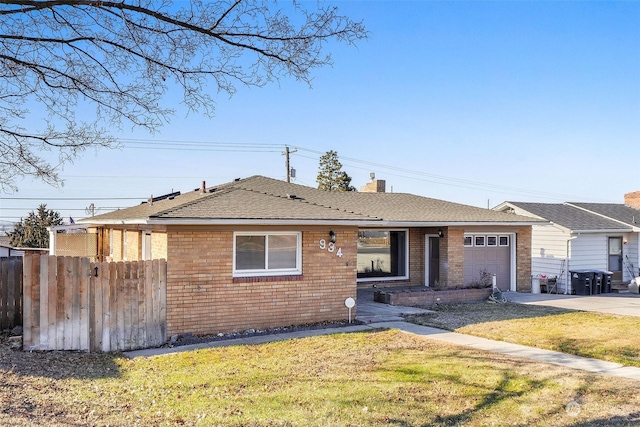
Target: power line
(73,198)
(455,182)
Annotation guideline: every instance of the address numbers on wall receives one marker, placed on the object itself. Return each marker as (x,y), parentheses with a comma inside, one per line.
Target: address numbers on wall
(330,247)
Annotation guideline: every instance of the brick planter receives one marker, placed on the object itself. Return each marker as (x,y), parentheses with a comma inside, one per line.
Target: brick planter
(426,297)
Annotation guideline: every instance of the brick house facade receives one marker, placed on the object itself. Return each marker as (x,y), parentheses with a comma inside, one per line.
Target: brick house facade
(208,293)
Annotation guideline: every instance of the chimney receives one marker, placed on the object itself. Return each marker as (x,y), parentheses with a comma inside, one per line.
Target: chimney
(203,189)
(632,199)
(374,186)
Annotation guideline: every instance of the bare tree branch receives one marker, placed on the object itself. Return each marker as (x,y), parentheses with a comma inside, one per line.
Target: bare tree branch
(60,57)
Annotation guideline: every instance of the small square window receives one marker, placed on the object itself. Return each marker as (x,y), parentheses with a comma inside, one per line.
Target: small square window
(479,241)
(492,241)
(504,241)
(468,241)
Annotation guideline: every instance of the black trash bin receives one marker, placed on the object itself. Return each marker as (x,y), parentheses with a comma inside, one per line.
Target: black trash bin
(581,281)
(596,285)
(606,281)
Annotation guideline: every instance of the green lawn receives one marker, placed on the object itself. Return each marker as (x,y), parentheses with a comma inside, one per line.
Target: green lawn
(601,336)
(360,379)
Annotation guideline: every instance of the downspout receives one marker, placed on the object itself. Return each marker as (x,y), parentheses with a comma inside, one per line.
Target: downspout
(638,251)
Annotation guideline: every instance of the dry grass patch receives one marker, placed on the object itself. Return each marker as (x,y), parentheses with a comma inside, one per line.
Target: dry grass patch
(601,336)
(360,379)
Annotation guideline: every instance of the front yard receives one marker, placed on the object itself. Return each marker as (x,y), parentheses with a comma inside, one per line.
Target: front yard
(360,379)
(600,336)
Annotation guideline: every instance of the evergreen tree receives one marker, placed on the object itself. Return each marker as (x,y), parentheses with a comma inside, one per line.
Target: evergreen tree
(32,231)
(331,177)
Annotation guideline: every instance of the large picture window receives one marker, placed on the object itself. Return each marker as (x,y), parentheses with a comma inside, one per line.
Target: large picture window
(266,254)
(382,254)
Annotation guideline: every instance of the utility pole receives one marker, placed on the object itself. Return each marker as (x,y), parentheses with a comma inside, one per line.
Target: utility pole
(286,154)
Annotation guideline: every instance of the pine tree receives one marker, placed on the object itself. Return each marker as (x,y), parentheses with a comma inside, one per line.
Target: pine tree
(331,177)
(32,231)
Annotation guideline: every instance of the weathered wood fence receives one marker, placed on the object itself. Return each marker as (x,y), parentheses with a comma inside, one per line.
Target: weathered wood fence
(71,303)
(10,292)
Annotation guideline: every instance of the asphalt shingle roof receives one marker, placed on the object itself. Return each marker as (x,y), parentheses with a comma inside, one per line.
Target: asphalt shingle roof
(261,198)
(569,216)
(619,212)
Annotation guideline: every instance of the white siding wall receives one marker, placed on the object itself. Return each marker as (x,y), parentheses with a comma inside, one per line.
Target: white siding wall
(589,251)
(548,249)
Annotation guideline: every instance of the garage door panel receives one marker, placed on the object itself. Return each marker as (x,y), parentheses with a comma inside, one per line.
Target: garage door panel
(492,259)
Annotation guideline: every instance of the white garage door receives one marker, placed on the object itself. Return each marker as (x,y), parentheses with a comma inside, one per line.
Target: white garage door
(486,255)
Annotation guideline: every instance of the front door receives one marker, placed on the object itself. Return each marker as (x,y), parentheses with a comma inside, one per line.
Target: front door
(434,261)
(615,257)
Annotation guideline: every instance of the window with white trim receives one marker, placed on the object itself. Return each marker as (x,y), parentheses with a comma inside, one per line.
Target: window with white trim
(267,254)
(492,240)
(503,241)
(468,241)
(479,241)
(383,254)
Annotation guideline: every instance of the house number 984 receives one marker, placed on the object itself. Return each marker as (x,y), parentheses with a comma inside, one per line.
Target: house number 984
(330,247)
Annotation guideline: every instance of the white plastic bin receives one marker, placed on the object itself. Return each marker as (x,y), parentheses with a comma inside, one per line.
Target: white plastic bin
(535,284)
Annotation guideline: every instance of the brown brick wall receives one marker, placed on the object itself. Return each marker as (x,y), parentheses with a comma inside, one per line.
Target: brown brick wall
(158,245)
(116,253)
(134,245)
(632,199)
(523,260)
(453,262)
(203,297)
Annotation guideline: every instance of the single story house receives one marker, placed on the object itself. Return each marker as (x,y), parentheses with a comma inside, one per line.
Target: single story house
(584,236)
(260,252)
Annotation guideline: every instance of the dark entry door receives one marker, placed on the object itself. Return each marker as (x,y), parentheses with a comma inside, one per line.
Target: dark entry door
(615,257)
(434,260)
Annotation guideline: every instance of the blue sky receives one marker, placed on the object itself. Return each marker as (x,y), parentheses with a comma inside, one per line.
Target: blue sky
(472,102)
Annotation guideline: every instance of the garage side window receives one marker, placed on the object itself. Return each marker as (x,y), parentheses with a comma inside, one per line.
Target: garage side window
(382,254)
(267,254)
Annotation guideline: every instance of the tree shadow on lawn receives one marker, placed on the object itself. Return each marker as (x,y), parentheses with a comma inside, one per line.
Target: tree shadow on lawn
(454,316)
(58,365)
(495,399)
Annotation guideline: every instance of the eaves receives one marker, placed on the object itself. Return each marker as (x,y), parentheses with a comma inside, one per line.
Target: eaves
(324,222)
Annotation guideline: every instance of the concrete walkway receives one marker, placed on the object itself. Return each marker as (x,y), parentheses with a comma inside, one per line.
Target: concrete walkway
(383,316)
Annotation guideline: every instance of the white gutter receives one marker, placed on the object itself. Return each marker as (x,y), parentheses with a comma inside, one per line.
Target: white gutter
(599,231)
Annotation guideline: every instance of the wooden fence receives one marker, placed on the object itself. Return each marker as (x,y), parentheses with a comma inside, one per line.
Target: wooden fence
(71,303)
(10,292)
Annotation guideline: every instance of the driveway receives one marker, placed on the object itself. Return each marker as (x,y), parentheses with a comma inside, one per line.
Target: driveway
(623,303)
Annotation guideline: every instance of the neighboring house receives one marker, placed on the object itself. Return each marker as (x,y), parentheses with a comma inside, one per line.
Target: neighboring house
(259,252)
(6,250)
(584,236)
